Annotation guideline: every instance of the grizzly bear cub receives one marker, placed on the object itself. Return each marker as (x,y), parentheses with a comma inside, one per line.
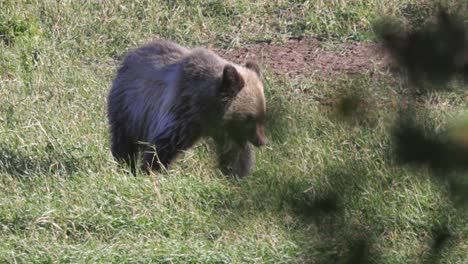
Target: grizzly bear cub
(169,96)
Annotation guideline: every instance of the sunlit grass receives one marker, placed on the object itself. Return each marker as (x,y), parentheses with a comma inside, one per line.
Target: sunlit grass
(64,199)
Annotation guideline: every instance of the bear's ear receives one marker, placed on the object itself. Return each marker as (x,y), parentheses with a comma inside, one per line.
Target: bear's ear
(254,67)
(232,81)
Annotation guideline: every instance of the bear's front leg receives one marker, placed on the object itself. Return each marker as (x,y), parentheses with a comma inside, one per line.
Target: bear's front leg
(154,159)
(234,159)
(167,150)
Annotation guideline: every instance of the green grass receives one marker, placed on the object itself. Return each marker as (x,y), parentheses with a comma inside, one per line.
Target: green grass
(64,199)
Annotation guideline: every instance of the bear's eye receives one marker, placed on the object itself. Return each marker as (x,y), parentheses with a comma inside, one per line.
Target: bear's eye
(261,119)
(251,123)
(250,120)
(256,119)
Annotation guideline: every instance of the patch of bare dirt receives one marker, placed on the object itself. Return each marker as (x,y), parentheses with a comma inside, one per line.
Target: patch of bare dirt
(309,57)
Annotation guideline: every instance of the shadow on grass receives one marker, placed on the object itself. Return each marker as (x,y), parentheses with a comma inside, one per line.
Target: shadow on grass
(320,228)
(44,161)
(345,242)
(323,228)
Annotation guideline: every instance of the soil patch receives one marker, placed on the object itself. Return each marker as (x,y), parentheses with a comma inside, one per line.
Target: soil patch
(309,57)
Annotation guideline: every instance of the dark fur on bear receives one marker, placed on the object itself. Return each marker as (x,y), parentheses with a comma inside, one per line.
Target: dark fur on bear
(170,96)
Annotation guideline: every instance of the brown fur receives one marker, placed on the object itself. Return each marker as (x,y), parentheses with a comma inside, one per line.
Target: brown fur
(170,96)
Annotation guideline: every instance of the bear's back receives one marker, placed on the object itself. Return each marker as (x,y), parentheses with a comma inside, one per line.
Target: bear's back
(155,54)
(160,79)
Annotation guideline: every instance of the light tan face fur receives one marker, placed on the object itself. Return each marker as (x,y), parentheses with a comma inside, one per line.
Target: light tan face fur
(249,108)
(251,99)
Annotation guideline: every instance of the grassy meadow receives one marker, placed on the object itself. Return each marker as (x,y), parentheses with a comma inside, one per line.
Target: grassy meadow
(321,189)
